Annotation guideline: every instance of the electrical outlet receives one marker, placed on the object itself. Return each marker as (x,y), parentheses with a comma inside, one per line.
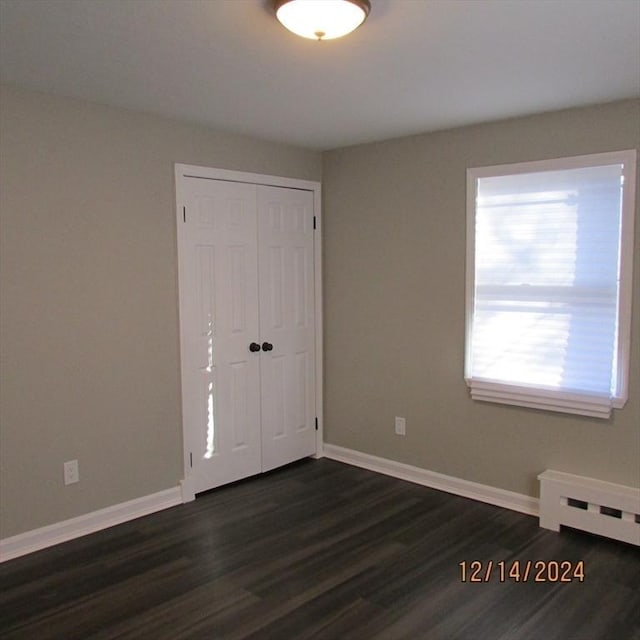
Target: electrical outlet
(71,472)
(401,426)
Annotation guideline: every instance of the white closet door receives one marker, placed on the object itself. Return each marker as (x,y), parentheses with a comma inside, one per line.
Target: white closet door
(286,267)
(219,317)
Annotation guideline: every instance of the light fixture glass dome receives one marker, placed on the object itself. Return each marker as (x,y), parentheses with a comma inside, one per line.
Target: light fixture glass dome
(321,19)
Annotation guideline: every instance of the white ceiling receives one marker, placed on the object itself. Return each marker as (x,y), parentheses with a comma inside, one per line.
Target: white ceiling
(414,66)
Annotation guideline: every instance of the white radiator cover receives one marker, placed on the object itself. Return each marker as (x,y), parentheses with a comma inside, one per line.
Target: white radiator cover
(604,508)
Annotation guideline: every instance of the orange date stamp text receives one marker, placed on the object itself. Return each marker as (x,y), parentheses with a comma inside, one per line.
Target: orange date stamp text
(522,571)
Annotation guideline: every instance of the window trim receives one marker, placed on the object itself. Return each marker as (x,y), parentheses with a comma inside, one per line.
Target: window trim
(536,397)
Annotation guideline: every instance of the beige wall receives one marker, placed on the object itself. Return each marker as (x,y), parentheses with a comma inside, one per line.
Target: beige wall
(394,273)
(90,361)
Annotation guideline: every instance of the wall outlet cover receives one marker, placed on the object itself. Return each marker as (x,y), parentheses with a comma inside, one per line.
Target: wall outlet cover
(71,472)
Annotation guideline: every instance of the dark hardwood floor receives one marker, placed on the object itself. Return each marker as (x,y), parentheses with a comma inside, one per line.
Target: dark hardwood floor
(321,550)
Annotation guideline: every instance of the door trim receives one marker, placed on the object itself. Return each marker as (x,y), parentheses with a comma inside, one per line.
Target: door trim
(183,171)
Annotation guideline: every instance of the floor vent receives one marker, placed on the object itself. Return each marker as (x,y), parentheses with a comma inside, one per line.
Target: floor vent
(604,508)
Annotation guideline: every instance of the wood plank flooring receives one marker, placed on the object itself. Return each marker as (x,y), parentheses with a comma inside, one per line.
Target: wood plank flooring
(320,550)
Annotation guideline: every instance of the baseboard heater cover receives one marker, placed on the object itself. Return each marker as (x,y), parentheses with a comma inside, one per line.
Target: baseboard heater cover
(603,508)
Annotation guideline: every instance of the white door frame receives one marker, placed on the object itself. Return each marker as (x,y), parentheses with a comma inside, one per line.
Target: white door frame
(183,171)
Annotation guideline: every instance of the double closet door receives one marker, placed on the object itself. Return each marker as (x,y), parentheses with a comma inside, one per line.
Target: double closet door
(247,328)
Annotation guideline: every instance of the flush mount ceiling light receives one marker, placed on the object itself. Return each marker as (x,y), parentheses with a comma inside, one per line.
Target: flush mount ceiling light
(321,19)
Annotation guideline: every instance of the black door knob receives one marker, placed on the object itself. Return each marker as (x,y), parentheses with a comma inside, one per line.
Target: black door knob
(267,346)
(254,346)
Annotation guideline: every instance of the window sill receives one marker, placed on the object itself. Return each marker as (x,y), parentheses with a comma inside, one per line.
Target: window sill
(548,400)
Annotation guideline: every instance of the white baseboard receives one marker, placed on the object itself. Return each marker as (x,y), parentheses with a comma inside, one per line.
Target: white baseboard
(37,539)
(48,536)
(457,486)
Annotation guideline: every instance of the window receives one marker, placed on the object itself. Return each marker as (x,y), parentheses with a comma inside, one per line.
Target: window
(549,264)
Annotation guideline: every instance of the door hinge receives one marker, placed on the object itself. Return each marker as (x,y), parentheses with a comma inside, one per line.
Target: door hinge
(316,424)
(314,222)
(191,459)
(184,214)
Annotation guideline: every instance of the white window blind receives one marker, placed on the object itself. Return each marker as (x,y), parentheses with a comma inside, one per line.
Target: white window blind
(549,283)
